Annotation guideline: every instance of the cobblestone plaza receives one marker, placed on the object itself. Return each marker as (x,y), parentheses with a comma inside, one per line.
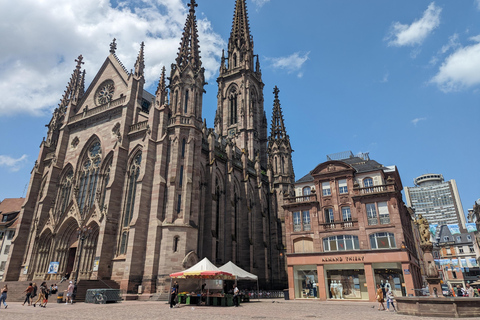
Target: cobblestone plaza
(264,309)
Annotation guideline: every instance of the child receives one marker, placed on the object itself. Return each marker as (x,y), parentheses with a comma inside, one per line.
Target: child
(390,300)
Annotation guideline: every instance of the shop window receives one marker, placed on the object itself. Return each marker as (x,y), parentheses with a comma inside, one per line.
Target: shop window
(390,276)
(382,240)
(305,282)
(340,243)
(345,283)
(303,245)
(346,214)
(342,186)
(326,191)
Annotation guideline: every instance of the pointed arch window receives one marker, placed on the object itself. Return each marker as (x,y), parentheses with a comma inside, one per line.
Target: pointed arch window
(64,192)
(106,180)
(133,174)
(232,103)
(183,148)
(176,239)
(234,60)
(185,108)
(88,177)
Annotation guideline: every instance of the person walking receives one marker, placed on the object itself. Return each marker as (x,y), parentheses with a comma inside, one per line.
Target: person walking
(173,295)
(390,298)
(70,289)
(470,292)
(41,296)
(28,294)
(380,297)
(3,296)
(46,293)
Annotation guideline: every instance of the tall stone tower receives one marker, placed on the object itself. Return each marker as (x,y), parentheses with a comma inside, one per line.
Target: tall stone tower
(240,115)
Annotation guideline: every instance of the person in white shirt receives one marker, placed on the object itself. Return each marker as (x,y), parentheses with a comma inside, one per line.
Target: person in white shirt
(235,296)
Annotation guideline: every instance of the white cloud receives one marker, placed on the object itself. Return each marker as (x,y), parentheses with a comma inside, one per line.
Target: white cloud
(44,37)
(292,63)
(452,44)
(417,120)
(461,69)
(477,3)
(417,32)
(12,163)
(260,3)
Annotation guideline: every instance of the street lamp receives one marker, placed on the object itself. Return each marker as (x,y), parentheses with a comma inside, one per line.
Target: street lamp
(82,234)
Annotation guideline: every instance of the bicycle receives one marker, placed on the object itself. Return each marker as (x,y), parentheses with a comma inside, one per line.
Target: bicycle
(99,298)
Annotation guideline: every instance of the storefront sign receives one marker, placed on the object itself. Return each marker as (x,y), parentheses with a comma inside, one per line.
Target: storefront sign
(406,271)
(344,259)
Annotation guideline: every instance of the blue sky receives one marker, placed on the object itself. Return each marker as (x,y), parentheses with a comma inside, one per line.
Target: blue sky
(397,79)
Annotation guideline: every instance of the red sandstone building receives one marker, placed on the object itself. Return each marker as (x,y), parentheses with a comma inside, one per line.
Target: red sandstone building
(347,230)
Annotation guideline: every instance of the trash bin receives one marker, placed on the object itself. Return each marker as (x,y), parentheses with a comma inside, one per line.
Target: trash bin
(60,297)
(285,294)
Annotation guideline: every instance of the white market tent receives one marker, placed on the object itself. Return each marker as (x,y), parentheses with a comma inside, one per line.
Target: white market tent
(239,273)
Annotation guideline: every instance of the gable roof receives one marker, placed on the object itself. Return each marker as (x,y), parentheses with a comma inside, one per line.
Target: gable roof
(241,274)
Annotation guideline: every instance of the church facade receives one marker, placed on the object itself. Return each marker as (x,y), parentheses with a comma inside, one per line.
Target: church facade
(131,186)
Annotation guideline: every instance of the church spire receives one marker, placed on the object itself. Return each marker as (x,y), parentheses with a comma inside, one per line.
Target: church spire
(240,33)
(189,52)
(140,63)
(278,131)
(161,92)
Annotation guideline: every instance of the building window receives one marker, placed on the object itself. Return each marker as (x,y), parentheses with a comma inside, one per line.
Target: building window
(175,243)
(449,251)
(7,249)
(5,218)
(301,221)
(454,274)
(382,240)
(180,181)
(346,214)
(342,186)
(179,203)
(460,250)
(446,239)
(469,237)
(132,174)
(233,107)
(472,250)
(383,212)
(371,214)
(2,265)
(186,102)
(303,245)
(326,189)
(183,148)
(367,182)
(10,234)
(459,239)
(88,177)
(306,192)
(329,218)
(1,235)
(340,243)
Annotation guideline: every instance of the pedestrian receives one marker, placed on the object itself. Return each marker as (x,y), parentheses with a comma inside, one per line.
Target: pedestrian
(460,291)
(35,289)
(46,293)
(235,295)
(28,294)
(70,293)
(390,298)
(41,296)
(469,292)
(55,289)
(380,297)
(3,296)
(173,295)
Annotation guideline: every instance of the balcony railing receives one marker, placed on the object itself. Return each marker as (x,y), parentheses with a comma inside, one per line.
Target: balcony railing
(298,227)
(310,197)
(338,225)
(374,189)
(385,220)
(372,221)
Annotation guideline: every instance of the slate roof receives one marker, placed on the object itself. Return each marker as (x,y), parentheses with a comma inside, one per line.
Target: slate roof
(443,231)
(360,165)
(11,207)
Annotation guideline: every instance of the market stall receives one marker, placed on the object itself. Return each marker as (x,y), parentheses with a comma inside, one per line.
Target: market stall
(239,273)
(202,271)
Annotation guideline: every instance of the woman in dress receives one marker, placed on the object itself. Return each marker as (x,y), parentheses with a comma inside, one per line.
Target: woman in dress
(380,297)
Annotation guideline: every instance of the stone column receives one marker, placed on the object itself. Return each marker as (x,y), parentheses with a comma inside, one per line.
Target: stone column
(431,271)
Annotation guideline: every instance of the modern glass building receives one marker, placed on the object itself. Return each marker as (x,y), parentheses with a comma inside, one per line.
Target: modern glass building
(436,200)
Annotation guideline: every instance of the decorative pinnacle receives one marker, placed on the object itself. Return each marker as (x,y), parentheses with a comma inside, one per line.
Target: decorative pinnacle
(79,61)
(276,91)
(113,46)
(192,5)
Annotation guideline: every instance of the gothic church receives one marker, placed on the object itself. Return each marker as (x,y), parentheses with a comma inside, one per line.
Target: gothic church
(151,186)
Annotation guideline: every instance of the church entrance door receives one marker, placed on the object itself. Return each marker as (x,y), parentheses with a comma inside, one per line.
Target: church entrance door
(71,260)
